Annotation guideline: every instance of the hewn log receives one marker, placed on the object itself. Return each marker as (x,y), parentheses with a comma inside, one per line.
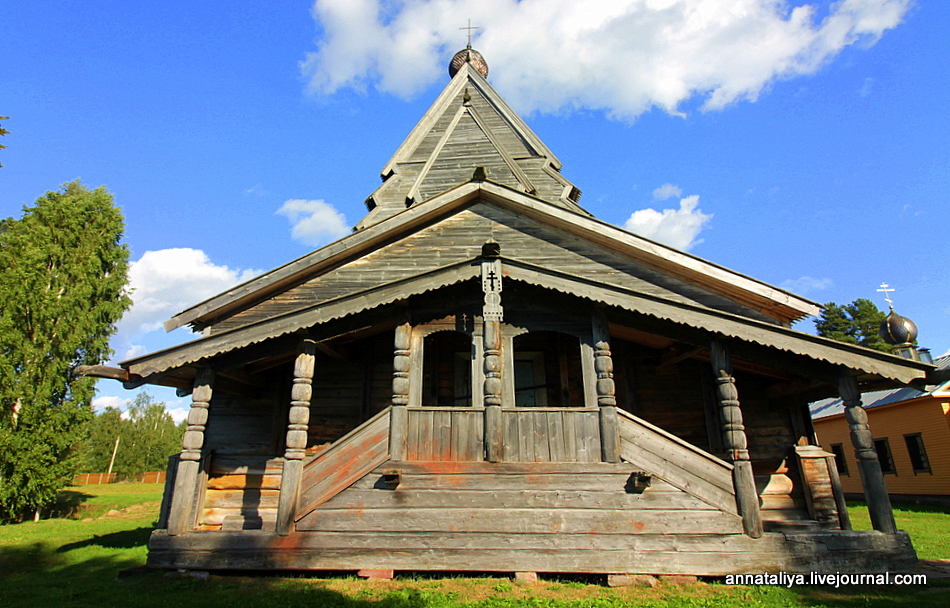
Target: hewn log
(606,391)
(181,515)
(298,420)
(872,478)
(399,418)
(734,440)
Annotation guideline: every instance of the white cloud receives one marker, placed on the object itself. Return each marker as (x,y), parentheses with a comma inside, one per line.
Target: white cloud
(167,281)
(674,227)
(178,409)
(806,284)
(667,191)
(102,402)
(624,56)
(315,222)
(866,87)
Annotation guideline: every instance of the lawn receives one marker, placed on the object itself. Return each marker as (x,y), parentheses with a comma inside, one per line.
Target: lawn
(74,561)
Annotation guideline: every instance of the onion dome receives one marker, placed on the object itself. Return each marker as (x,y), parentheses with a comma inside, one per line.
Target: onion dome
(898,330)
(468,55)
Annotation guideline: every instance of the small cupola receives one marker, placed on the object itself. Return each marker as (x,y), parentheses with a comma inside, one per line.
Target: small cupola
(898,331)
(470,56)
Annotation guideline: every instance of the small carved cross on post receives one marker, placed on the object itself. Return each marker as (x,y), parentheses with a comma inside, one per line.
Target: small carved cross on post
(469,28)
(491,277)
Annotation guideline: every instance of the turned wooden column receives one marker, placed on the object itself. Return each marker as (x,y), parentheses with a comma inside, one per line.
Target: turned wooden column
(399,416)
(606,391)
(734,440)
(298,420)
(872,478)
(181,515)
(492,315)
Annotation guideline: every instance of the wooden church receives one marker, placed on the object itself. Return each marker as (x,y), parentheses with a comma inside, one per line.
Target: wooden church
(485,377)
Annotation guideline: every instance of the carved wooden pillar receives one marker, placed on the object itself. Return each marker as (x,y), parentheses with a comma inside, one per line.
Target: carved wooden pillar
(734,440)
(298,420)
(399,416)
(181,515)
(492,315)
(875,491)
(606,391)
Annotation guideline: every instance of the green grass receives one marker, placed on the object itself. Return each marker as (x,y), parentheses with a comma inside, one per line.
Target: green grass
(928,526)
(73,562)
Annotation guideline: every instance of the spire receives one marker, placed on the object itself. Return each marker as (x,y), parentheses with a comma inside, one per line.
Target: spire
(469,126)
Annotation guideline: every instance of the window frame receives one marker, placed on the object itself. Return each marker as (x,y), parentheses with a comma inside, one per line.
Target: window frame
(918,440)
(888,460)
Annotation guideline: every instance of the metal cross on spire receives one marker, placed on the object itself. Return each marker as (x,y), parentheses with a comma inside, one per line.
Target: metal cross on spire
(469,28)
(887,289)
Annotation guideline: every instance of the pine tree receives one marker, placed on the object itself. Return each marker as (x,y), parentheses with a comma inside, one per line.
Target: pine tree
(62,288)
(856,323)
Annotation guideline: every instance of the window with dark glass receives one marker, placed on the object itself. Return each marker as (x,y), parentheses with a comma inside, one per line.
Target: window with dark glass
(840,463)
(883,449)
(547,370)
(917,453)
(447,369)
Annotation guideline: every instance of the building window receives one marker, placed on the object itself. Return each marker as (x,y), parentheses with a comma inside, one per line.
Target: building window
(547,370)
(883,449)
(840,463)
(447,369)
(917,453)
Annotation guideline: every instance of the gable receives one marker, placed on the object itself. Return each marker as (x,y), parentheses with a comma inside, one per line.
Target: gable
(458,238)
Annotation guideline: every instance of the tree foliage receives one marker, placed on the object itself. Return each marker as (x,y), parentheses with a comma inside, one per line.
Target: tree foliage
(856,323)
(147,435)
(62,288)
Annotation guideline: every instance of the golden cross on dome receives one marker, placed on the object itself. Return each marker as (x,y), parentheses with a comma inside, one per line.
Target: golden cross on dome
(887,289)
(469,28)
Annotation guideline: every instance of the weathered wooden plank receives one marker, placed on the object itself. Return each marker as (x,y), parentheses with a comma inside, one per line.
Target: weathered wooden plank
(353,457)
(523,521)
(239,464)
(639,431)
(236,498)
(591,437)
(377,422)
(555,436)
(568,419)
(217,515)
(362,498)
(244,482)
(511,468)
(682,478)
(713,555)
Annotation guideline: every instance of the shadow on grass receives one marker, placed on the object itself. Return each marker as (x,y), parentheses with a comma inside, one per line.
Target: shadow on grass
(68,504)
(126,539)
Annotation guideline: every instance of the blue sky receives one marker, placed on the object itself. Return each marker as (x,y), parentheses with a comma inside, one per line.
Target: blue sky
(806,144)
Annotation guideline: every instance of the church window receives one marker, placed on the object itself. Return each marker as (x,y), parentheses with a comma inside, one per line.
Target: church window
(447,369)
(547,370)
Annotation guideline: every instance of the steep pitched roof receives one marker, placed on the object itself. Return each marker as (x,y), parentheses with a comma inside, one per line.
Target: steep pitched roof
(756,295)
(469,125)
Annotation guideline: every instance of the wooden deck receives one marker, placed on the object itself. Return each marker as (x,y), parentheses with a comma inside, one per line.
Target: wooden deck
(702,555)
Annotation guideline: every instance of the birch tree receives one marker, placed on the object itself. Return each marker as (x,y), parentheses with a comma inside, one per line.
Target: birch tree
(62,288)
